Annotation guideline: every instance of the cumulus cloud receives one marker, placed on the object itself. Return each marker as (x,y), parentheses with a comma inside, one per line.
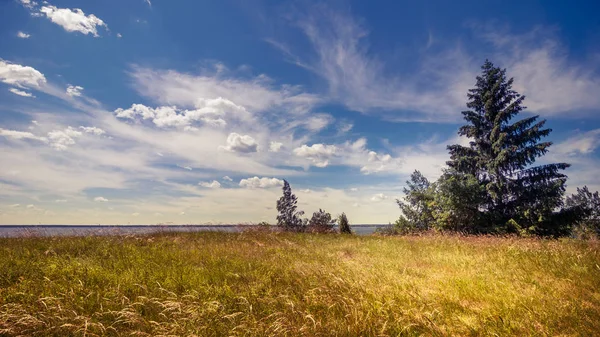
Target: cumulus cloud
(275,146)
(213,184)
(240,143)
(61,139)
(21,92)
(256,182)
(318,154)
(379,197)
(20,76)
(73,20)
(74,90)
(93,130)
(209,113)
(100,199)
(23,35)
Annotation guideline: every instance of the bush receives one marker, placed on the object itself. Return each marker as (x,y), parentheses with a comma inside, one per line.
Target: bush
(320,222)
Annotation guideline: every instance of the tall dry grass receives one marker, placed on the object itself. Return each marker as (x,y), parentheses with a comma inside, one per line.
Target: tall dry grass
(280,284)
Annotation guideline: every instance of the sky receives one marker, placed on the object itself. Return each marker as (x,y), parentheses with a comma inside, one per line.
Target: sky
(186,112)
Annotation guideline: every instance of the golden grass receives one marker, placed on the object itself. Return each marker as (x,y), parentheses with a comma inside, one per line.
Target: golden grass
(278,284)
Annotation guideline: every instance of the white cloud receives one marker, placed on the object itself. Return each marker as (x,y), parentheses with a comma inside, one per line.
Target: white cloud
(20,76)
(436,90)
(319,154)
(226,178)
(74,90)
(212,184)
(20,135)
(256,182)
(14,206)
(21,92)
(135,214)
(208,113)
(376,163)
(28,3)
(100,199)
(148,2)
(74,20)
(61,139)
(60,200)
(307,190)
(579,144)
(354,189)
(119,35)
(239,143)
(379,197)
(253,95)
(23,35)
(275,146)
(93,130)
(318,122)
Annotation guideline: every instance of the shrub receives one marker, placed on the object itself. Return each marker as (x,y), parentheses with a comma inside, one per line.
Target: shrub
(320,222)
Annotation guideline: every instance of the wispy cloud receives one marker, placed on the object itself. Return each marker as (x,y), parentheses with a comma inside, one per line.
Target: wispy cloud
(436,90)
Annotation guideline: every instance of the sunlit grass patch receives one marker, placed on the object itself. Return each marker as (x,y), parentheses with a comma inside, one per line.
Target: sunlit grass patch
(261,283)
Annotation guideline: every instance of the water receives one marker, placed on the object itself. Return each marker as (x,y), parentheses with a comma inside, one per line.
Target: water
(85,230)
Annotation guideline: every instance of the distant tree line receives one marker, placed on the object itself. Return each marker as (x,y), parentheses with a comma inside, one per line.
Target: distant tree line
(492,186)
(289,218)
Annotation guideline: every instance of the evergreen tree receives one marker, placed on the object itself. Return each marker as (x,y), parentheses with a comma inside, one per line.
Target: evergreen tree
(288,218)
(519,196)
(344,224)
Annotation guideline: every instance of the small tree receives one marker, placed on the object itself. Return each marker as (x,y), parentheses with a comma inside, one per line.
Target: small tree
(416,206)
(321,222)
(288,218)
(587,210)
(344,224)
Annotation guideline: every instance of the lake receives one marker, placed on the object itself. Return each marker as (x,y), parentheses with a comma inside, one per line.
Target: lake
(83,230)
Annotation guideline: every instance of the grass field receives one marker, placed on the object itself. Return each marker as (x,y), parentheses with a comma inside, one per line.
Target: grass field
(277,284)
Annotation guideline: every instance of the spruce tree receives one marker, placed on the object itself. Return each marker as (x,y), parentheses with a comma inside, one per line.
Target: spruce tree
(344,224)
(288,218)
(519,196)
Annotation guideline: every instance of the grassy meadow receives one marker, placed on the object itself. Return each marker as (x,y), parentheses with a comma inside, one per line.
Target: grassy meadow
(283,284)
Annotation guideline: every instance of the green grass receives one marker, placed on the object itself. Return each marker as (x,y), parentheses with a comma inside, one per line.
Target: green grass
(277,284)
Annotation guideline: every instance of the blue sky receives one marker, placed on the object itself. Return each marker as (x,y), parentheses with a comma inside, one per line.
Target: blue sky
(191,112)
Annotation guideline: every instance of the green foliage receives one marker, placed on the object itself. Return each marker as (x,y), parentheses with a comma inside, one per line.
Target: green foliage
(288,218)
(500,156)
(587,206)
(416,207)
(344,224)
(321,222)
(456,201)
